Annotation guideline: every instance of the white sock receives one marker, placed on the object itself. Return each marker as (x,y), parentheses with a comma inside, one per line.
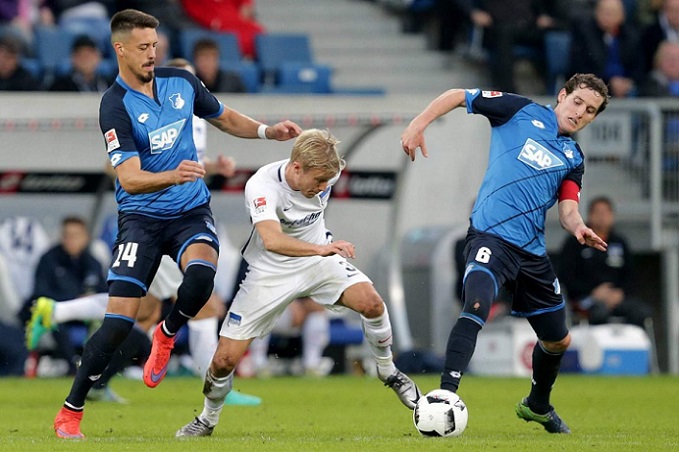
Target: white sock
(315,337)
(203,340)
(215,391)
(91,307)
(259,349)
(378,334)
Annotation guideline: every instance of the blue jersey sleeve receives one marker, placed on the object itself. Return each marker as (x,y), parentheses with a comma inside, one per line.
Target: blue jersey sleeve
(115,124)
(576,173)
(497,106)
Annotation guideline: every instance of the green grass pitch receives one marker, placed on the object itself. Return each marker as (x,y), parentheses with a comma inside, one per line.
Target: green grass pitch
(347,413)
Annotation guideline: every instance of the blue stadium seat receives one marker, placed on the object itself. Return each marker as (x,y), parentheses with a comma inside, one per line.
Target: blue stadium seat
(96,28)
(557,59)
(33,66)
(227,42)
(53,45)
(307,78)
(274,49)
(249,73)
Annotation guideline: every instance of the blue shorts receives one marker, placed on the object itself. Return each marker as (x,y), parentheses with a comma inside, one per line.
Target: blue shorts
(142,241)
(528,278)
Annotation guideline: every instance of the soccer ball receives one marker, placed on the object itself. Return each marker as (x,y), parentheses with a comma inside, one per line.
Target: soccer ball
(440,413)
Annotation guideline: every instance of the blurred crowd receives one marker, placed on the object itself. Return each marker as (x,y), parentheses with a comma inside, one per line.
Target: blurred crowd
(632,44)
(91,66)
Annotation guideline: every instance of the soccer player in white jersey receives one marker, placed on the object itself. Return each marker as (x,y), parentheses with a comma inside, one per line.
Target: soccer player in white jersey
(291,255)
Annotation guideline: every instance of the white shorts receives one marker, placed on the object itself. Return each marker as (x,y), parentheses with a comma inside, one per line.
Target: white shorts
(263,297)
(167,279)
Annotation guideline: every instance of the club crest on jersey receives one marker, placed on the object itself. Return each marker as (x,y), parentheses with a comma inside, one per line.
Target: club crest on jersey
(537,156)
(112,142)
(177,101)
(234,319)
(165,137)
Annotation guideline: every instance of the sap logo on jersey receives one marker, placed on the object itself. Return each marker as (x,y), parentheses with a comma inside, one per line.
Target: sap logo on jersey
(164,138)
(537,156)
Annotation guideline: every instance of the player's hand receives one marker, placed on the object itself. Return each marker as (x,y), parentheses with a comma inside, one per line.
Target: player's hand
(283,131)
(411,139)
(188,171)
(341,247)
(226,166)
(587,237)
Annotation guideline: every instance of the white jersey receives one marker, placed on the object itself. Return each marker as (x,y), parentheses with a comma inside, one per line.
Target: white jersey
(269,197)
(200,138)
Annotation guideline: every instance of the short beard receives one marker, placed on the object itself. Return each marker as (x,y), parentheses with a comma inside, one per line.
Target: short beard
(146,78)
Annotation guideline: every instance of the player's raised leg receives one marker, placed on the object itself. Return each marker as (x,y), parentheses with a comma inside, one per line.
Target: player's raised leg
(480,288)
(364,299)
(199,262)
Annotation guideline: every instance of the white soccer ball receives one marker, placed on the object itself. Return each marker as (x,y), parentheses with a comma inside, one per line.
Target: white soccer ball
(440,413)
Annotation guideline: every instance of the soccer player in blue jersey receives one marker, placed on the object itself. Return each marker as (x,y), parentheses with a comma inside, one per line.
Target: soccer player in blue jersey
(146,118)
(533,163)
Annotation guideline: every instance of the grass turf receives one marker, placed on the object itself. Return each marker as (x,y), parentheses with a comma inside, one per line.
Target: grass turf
(346,413)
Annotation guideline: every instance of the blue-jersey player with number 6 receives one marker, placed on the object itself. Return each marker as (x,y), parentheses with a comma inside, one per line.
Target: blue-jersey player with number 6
(163,203)
(533,163)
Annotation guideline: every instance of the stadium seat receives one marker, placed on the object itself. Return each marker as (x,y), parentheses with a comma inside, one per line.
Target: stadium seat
(249,73)
(274,49)
(33,66)
(307,78)
(52,46)
(557,59)
(229,52)
(96,28)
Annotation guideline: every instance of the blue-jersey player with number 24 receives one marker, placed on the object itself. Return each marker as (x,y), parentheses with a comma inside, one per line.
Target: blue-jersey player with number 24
(533,163)
(163,204)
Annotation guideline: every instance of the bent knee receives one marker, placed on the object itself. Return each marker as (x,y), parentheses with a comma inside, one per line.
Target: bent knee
(557,346)
(223,364)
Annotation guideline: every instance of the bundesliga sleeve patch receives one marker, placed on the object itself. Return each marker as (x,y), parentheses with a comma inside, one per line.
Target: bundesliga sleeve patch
(112,142)
(491,94)
(260,204)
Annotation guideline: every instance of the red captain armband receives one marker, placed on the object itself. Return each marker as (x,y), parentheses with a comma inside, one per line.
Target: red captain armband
(569,190)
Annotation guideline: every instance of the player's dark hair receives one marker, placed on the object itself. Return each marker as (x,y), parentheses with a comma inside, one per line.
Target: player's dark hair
(129,19)
(601,200)
(589,81)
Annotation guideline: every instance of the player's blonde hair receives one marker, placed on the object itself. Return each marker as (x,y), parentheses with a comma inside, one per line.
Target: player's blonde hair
(317,149)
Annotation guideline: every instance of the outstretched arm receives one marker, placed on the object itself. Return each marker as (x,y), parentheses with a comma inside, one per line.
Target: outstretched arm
(572,222)
(240,125)
(413,136)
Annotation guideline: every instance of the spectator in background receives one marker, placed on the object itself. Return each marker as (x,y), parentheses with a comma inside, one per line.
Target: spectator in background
(83,76)
(664,28)
(233,16)
(663,80)
(608,47)
(13,353)
(598,283)
(13,76)
(206,62)
(68,270)
(506,25)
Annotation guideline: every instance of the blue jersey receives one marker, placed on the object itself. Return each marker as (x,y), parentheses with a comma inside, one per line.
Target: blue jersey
(528,162)
(160,132)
